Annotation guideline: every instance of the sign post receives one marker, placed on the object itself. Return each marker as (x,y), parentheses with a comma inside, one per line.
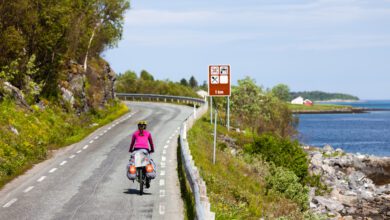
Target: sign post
(219,86)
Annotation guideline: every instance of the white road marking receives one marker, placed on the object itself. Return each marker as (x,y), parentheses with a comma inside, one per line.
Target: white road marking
(53,170)
(162,182)
(28,189)
(96,137)
(91,142)
(168,141)
(162,193)
(41,179)
(162,164)
(79,151)
(63,163)
(164,151)
(72,156)
(109,128)
(162,209)
(163,158)
(10,203)
(166,146)
(162,173)
(85,147)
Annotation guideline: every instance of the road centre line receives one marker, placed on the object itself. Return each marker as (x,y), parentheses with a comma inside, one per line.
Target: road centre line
(162,182)
(53,170)
(91,141)
(63,163)
(28,189)
(162,193)
(166,146)
(163,158)
(96,137)
(164,151)
(85,147)
(162,173)
(79,151)
(162,164)
(41,179)
(72,156)
(8,204)
(168,141)
(162,209)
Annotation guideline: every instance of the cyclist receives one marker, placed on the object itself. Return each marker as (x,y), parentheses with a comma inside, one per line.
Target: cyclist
(141,140)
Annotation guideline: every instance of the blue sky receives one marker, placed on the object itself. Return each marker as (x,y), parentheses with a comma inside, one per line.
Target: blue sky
(329,45)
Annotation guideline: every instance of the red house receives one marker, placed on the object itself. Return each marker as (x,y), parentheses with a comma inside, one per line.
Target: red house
(308,102)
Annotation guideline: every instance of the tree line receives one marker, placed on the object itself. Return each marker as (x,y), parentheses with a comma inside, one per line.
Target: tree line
(283,92)
(130,82)
(38,39)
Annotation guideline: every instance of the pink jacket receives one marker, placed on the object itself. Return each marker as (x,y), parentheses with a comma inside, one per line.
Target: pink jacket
(141,141)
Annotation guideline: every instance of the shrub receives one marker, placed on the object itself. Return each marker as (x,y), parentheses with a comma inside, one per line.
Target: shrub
(282,152)
(285,182)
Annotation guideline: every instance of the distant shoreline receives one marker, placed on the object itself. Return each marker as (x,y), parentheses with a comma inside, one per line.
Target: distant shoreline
(340,111)
(333,111)
(338,101)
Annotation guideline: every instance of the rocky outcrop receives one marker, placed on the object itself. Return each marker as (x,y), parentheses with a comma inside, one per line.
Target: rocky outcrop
(7,89)
(91,89)
(360,184)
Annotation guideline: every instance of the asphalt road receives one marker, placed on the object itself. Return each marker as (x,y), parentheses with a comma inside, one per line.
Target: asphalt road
(88,180)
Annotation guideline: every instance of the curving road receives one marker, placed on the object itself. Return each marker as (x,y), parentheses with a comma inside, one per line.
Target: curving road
(87,180)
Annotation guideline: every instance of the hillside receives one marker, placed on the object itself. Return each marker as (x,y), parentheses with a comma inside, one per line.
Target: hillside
(54,87)
(323,96)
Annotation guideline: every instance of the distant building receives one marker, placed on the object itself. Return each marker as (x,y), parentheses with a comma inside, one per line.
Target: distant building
(202,93)
(298,101)
(308,102)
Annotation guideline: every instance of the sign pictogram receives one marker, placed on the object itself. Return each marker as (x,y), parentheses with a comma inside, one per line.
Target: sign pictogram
(219,80)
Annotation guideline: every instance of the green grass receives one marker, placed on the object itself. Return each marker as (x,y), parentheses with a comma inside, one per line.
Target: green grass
(318,107)
(236,184)
(43,130)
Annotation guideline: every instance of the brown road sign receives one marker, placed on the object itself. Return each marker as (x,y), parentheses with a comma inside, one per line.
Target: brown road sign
(219,80)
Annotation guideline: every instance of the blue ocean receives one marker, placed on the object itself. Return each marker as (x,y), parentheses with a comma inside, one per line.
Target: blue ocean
(366,133)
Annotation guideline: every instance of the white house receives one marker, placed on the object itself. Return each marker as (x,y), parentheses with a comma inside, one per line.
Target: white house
(202,93)
(298,101)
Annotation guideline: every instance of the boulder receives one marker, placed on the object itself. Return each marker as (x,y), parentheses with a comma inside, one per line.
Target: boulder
(14,93)
(329,204)
(14,130)
(67,95)
(328,148)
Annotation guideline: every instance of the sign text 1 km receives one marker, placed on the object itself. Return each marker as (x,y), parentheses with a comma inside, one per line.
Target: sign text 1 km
(219,80)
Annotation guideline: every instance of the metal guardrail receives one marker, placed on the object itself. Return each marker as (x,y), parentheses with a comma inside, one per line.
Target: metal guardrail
(155,97)
(198,186)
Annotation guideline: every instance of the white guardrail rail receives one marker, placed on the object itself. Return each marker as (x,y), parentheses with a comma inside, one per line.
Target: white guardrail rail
(198,186)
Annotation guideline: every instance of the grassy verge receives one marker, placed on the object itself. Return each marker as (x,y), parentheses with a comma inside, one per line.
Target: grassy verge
(185,189)
(236,184)
(319,107)
(26,137)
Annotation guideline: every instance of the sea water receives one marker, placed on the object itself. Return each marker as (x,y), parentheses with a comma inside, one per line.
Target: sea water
(366,133)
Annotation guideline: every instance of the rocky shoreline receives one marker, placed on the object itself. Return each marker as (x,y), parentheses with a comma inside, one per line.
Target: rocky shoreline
(359,185)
